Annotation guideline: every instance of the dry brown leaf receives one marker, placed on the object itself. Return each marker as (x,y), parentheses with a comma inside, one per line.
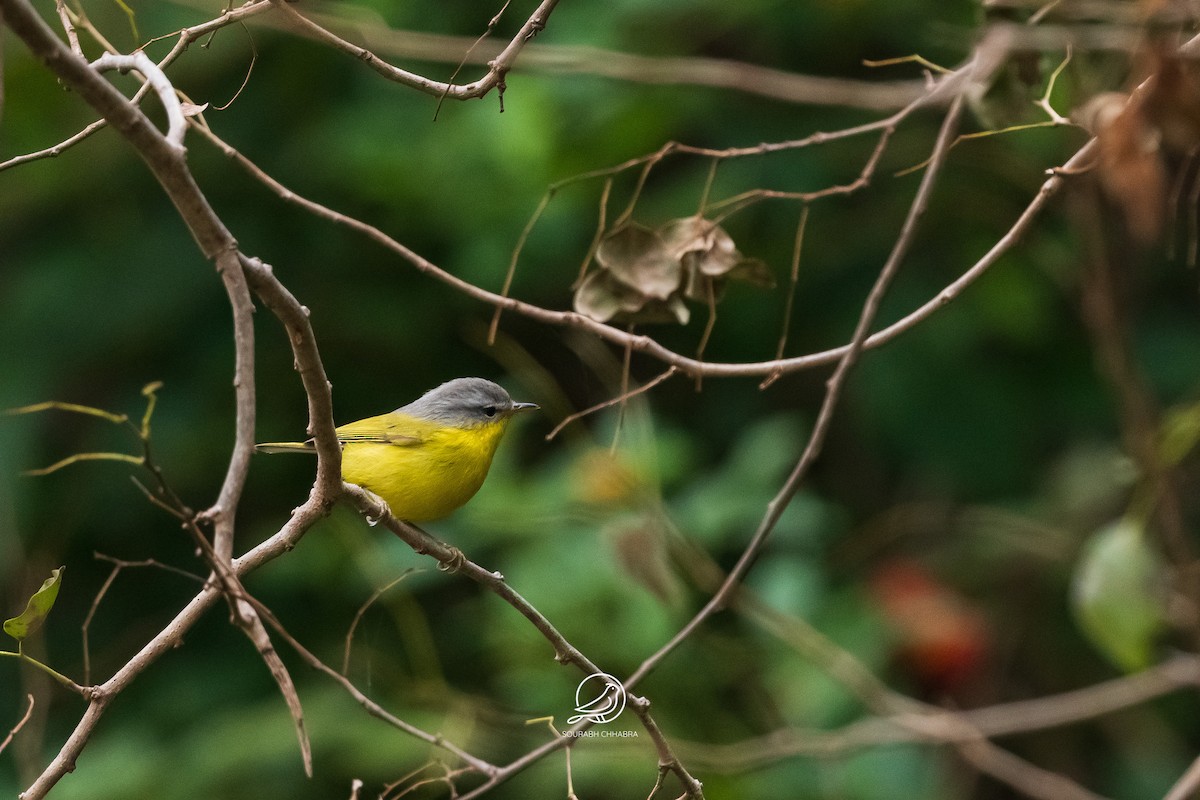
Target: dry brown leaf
(1131,168)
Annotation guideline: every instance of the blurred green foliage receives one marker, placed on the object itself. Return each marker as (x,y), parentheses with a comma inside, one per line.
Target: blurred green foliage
(1119,594)
(983,445)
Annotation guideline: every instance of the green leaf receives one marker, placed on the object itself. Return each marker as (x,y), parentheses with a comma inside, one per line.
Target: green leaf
(36,609)
(1119,594)
(1179,433)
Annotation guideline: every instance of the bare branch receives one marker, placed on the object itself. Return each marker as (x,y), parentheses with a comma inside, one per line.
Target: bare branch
(54,150)
(307,359)
(251,623)
(20,724)
(118,566)
(648,346)
(498,67)
(185,37)
(716,73)
(832,395)
(1005,719)
(491,26)
(1187,784)
(371,707)
(899,717)
(793,279)
(358,615)
(1027,778)
(167,639)
(221,513)
(64,16)
(164,156)
(612,401)
(452,559)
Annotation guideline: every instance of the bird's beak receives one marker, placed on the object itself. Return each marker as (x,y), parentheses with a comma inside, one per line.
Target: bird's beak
(516,407)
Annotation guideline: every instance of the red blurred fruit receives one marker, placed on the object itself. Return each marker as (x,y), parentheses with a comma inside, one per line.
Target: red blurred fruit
(940,637)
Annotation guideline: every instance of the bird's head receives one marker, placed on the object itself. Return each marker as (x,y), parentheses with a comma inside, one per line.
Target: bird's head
(465,403)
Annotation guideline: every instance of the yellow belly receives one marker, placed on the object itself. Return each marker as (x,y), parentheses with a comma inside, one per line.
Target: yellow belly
(427,479)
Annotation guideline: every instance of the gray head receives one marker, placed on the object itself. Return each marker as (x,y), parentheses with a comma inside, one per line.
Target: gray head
(465,401)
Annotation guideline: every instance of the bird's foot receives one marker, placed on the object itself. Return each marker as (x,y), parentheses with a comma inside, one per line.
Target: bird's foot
(455,561)
(381,510)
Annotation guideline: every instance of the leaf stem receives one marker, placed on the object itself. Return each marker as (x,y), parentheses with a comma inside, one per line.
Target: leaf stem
(58,676)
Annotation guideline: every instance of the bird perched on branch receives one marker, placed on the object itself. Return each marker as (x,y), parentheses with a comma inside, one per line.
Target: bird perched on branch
(429,457)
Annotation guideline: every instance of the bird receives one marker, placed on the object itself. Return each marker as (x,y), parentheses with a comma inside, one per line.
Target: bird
(428,458)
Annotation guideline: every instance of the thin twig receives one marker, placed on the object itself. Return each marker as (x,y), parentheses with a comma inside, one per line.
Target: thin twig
(512,262)
(728,74)
(1044,102)
(249,72)
(649,346)
(493,79)
(740,202)
(20,724)
(164,156)
(221,512)
(710,300)
(598,236)
(358,615)
(185,37)
(371,707)
(86,692)
(1004,719)
(55,150)
(495,20)
(118,565)
(789,302)
(60,7)
(1029,779)
(452,559)
(833,392)
(612,401)
(79,458)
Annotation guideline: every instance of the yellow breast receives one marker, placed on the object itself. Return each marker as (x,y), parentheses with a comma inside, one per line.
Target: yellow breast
(429,477)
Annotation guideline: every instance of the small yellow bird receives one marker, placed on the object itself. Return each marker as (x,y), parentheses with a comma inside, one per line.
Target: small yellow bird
(429,457)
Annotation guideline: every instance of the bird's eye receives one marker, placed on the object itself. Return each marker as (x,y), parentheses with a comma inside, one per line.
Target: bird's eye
(489,411)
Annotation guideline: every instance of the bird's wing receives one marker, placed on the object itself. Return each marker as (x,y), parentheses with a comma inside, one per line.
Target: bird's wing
(397,429)
(606,702)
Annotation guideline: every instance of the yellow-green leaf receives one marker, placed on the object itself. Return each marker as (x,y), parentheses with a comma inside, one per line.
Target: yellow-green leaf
(1179,433)
(36,609)
(1119,594)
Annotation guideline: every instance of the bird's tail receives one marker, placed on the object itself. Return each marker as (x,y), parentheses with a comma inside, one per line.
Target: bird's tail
(284,447)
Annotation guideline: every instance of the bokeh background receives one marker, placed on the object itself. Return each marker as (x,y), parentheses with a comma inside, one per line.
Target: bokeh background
(971,460)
